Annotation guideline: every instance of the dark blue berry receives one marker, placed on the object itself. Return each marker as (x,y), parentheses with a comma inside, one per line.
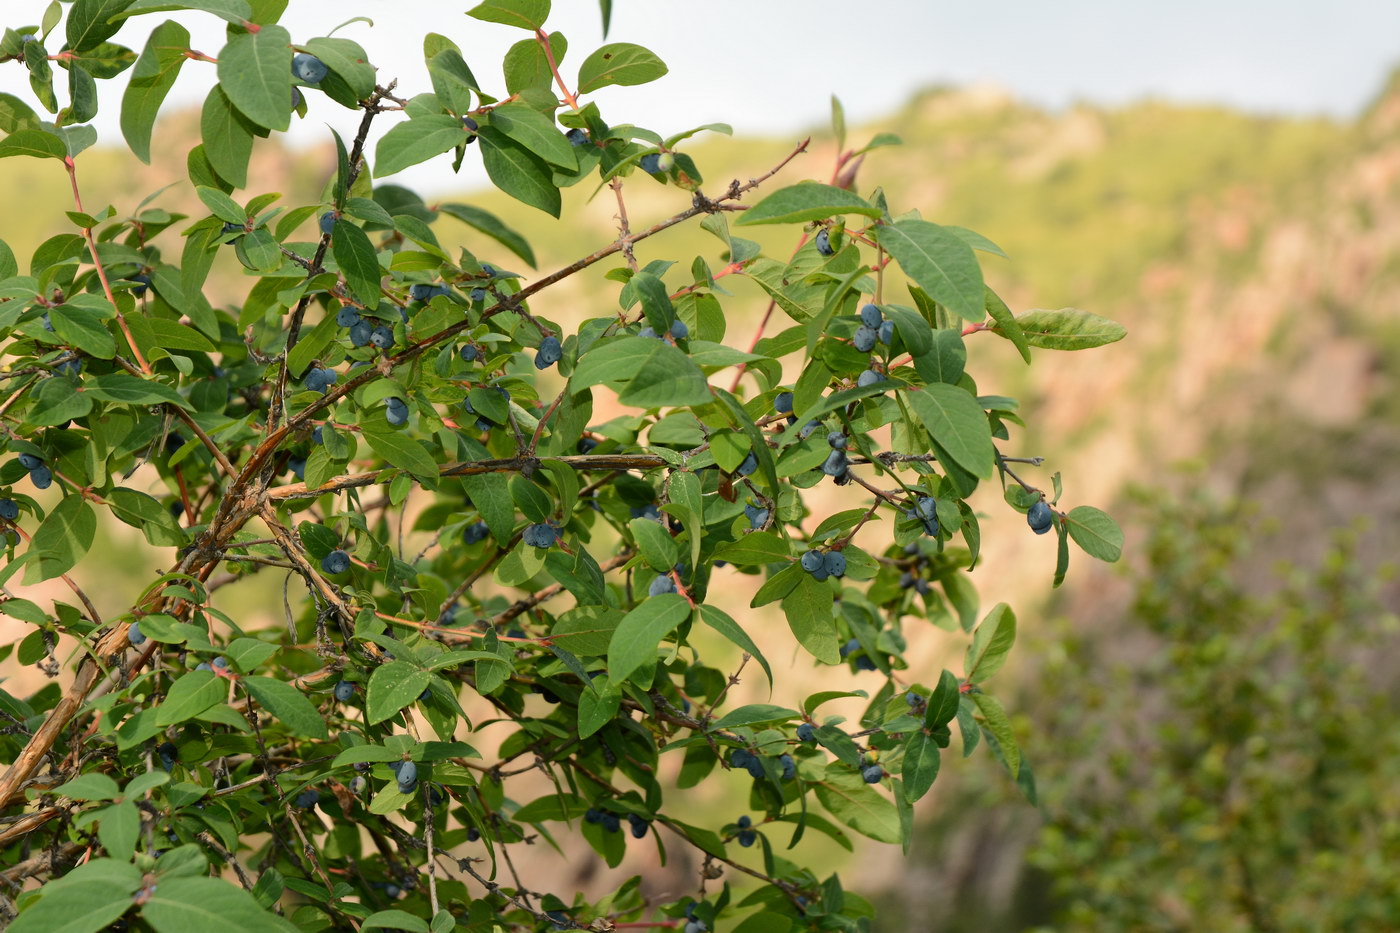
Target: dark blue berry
(661,585)
(886,332)
(835,463)
(651,163)
(812,561)
(1040,517)
(361,332)
(576,136)
(749,465)
(469,353)
(30,462)
(849,647)
(9,509)
(135,635)
(549,352)
(869,378)
(395,410)
(747,838)
(307,799)
(836,440)
(872,774)
(41,476)
(477,294)
(809,429)
(586,445)
(807,733)
(648,331)
(782,403)
(823,243)
(382,337)
(470,124)
(913,699)
(344,691)
(309,68)
(865,339)
(834,564)
(327,223)
(789,767)
(336,561)
(317,437)
(611,823)
(347,316)
(143,282)
(744,822)
(871,317)
(475,532)
(679,329)
(640,827)
(541,535)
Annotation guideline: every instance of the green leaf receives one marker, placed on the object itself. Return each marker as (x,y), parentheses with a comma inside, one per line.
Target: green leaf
(179,905)
(37,144)
(1007,325)
(228,140)
(255,70)
(995,721)
(132,390)
(941,263)
(288,704)
(596,710)
(721,622)
(404,452)
(151,79)
(190,695)
(754,550)
(651,372)
(55,402)
(527,14)
(393,686)
(81,328)
(75,908)
(804,202)
(417,140)
(655,542)
(535,132)
(620,63)
(1068,329)
(634,641)
(119,829)
(857,804)
(88,25)
(943,704)
(62,539)
(810,616)
(348,60)
(488,223)
(394,920)
(755,714)
(142,511)
(958,424)
(920,765)
(490,493)
(89,787)
(518,172)
(1097,534)
(232,11)
(357,260)
(990,643)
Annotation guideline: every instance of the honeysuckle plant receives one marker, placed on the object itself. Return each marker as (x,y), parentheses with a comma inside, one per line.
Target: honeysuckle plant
(391,426)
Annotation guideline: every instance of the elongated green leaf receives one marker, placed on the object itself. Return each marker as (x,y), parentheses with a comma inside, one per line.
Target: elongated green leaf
(151,79)
(190,695)
(920,765)
(721,622)
(417,140)
(62,539)
(255,70)
(518,172)
(756,714)
(288,704)
(535,132)
(990,643)
(857,804)
(958,424)
(526,14)
(119,829)
(233,11)
(596,710)
(393,686)
(1007,325)
(810,616)
(491,225)
(942,706)
(995,721)
(84,908)
(404,452)
(83,329)
(1096,533)
(228,139)
(357,260)
(395,920)
(941,263)
(1068,329)
(180,905)
(619,63)
(89,787)
(132,390)
(88,25)
(805,202)
(37,144)
(634,640)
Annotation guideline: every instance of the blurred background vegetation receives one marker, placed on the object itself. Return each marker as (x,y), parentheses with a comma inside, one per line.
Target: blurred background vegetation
(1211,724)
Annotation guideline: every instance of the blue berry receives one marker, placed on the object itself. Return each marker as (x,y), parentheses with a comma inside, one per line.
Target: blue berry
(913,699)
(41,476)
(221,663)
(782,403)
(807,733)
(9,509)
(143,282)
(382,337)
(395,410)
(576,137)
(469,353)
(835,463)
(347,316)
(610,822)
(749,465)
(869,378)
(789,767)
(475,532)
(344,691)
(309,68)
(836,440)
(640,827)
(871,317)
(648,331)
(747,838)
(297,99)
(477,294)
(872,774)
(168,754)
(1040,517)
(809,429)
(336,561)
(661,585)
(317,437)
(812,561)
(307,799)
(679,329)
(361,332)
(204,666)
(651,163)
(864,663)
(886,332)
(758,517)
(586,445)
(744,822)
(865,339)
(541,535)
(135,635)
(407,776)
(823,243)
(471,125)
(327,223)
(834,563)
(30,462)
(69,368)
(549,352)
(358,785)
(850,647)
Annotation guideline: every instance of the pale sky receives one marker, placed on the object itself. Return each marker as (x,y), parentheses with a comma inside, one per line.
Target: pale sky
(770,66)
